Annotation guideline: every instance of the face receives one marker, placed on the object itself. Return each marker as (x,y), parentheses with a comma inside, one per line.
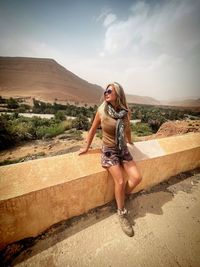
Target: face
(110,94)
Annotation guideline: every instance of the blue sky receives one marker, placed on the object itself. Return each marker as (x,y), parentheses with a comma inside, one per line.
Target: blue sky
(151,47)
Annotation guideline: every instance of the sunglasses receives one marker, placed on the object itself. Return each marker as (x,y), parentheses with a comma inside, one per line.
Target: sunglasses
(108,91)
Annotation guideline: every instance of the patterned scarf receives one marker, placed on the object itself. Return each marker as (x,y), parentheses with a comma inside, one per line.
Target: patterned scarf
(119,132)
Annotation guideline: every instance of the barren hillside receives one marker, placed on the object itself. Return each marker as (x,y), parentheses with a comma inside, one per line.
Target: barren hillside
(44,79)
(136,99)
(183,103)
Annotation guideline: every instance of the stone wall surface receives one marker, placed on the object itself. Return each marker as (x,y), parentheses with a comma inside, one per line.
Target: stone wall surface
(37,194)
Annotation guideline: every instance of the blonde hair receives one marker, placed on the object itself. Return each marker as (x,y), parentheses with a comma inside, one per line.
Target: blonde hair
(120,101)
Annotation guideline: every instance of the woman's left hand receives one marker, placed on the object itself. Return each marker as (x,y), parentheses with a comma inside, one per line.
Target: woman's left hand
(82,150)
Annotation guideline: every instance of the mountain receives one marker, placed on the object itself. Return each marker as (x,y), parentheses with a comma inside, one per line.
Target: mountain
(45,80)
(183,103)
(136,99)
(188,103)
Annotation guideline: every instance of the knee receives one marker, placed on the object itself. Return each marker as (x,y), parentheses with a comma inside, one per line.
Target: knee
(138,178)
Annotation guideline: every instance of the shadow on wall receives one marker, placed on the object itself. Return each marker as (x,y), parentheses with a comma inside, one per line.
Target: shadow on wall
(140,204)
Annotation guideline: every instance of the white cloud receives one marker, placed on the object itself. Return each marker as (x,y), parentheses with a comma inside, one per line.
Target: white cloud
(139,8)
(118,37)
(102,54)
(110,18)
(104,12)
(153,51)
(155,43)
(169,25)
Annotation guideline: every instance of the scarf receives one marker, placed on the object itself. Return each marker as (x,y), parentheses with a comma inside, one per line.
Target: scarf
(119,132)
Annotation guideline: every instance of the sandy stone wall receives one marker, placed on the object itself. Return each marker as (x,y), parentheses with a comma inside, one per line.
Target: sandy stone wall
(37,194)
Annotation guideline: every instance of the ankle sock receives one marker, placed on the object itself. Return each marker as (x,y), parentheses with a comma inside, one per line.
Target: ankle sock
(122,211)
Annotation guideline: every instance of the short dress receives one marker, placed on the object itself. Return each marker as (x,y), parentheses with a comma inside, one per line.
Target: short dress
(110,155)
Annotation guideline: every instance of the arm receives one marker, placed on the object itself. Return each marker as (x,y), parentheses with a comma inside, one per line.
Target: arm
(128,129)
(91,133)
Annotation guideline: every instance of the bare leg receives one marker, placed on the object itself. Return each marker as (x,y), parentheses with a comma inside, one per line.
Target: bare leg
(134,175)
(116,172)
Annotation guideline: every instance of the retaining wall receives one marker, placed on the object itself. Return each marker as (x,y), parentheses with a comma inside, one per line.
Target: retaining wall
(37,194)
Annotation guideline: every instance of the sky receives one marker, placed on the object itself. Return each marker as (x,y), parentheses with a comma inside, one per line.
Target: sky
(152,48)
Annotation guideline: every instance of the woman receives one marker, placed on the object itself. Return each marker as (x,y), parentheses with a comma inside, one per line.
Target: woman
(114,117)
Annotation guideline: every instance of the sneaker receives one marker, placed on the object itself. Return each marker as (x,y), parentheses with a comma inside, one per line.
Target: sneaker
(125,223)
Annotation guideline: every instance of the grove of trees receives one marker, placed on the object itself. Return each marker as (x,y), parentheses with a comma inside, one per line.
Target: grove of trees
(15,128)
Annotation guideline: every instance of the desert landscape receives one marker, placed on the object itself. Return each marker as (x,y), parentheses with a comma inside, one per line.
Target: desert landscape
(59,60)
(44,79)
(32,80)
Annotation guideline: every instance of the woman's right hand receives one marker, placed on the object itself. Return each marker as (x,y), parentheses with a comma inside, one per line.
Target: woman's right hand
(82,150)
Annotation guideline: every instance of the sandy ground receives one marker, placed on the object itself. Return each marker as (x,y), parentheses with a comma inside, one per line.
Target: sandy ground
(45,148)
(166,221)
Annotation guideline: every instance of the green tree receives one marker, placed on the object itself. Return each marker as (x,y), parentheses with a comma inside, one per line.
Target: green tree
(60,115)
(6,138)
(12,103)
(81,123)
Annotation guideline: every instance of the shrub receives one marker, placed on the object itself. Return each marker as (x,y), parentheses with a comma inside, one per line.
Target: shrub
(21,109)
(81,123)
(20,130)
(12,103)
(60,115)
(6,138)
(141,129)
(51,131)
(2,100)
(155,124)
(67,124)
(75,134)
(15,128)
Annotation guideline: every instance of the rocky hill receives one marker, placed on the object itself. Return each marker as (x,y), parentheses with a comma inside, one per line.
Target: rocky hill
(44,79)
(178,127)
